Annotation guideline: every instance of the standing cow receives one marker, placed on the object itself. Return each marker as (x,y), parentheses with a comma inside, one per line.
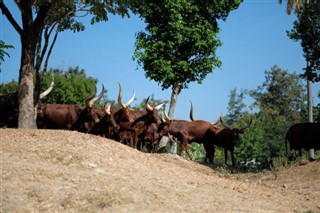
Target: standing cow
(186,132)
(224,136)
(302,136)
(70,116)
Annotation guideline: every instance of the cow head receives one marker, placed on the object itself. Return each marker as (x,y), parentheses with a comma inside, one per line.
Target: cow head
(164,126)
(234,132)
(109,116)
(153,111)
(91,112)
(89,116)
(123,114)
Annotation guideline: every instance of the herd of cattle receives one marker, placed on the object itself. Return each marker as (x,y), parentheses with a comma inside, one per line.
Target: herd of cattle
(138,127)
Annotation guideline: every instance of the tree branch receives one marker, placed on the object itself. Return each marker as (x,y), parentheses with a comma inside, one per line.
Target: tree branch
(9,16)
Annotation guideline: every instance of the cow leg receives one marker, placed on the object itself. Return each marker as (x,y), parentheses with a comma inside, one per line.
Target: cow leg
(187,148)
(210,150)
(233,159)
(225,156)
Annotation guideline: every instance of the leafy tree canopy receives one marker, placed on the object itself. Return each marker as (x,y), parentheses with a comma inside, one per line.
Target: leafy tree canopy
(307,30)
(281,92)
(71,87)
(180,40)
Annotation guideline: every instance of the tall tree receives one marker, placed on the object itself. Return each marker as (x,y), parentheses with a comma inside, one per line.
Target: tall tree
(39,19)
(279,101)
(281,92)
(307,30)
(179,43)
(236,107)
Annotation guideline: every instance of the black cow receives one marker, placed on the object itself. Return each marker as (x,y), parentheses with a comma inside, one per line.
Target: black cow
(226,137)
(302,136)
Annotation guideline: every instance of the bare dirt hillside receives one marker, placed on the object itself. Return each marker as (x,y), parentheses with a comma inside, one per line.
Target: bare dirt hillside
(63,171)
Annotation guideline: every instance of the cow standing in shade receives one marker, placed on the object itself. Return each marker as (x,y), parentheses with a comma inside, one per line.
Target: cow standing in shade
(302,136)
(224,136)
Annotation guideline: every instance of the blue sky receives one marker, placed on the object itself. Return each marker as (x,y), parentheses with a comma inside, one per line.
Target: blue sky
(253,36)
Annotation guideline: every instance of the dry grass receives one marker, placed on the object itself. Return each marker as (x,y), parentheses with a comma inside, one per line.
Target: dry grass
(63,171)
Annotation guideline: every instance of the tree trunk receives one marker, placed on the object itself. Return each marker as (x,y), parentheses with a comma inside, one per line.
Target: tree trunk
(310,106)
(174,96)
(27,118)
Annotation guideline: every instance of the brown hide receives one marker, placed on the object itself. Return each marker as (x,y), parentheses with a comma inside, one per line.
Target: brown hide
(187,132)
(107,125)
(58,116)
(135,123)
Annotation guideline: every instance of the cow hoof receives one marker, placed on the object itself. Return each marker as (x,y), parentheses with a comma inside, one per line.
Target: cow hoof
(312,159)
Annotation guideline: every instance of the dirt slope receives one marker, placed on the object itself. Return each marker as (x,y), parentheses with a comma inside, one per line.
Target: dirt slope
(62,171)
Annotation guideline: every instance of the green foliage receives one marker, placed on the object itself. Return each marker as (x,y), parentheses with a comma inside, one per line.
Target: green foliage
(8,87)
(197,151)
(180,41)
(71,86)
(236,106)
(3,53)
(223,171)
(282,93)
(279,102)
(67,13)
(307,30)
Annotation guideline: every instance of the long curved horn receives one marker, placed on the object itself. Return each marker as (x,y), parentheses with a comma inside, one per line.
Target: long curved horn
(191,111)
(243,128)
(45,93)
(158,107)
(217,121)
(166,117)
(91,96)
(148,107)
(120,96)
(107,108)
(131,99)
(95,99)
(225,124)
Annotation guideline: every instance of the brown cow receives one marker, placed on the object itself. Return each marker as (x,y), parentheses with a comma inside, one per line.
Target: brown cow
(122,116)
(186,132)
(107,125)
(144,123)
(135,131)
(69,116)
